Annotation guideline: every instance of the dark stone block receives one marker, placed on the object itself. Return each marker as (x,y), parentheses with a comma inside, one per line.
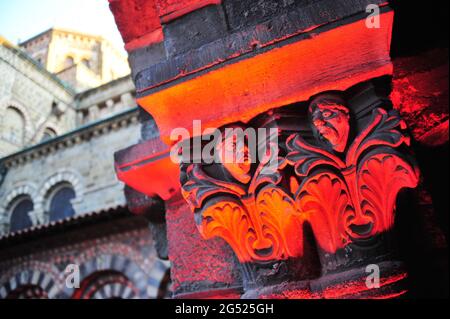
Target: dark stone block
(194,29)
(139,59)
(149,130)
(288,27)
(152,208)
(243,13)
(197,265)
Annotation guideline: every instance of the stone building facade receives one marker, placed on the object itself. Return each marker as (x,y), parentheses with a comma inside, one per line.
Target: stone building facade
(61,204)
(92,178)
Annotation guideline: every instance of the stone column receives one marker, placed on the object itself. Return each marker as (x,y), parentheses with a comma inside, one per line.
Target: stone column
(127,100)
(94,113)
(110,106)
(310,210)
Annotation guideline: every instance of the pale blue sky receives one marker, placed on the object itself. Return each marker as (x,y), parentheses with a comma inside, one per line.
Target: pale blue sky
(22,19)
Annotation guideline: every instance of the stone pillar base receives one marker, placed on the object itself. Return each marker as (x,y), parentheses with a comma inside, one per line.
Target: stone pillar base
(350,284)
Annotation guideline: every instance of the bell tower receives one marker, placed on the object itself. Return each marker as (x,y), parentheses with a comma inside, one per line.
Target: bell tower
(82,60)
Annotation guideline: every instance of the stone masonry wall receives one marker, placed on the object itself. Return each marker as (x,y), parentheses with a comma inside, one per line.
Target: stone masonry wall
(32,92)
(84,159)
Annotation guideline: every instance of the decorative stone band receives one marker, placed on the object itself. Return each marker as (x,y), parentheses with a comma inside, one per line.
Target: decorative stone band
(69,139)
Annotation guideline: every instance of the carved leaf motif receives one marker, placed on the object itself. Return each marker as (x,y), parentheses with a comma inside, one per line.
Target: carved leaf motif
(330,200)
(305,157)
(200,186)
(230,221)
(325,201)
(383,130)
(269,169)
(380,179)
(343,201)
(282,222)
(271,230)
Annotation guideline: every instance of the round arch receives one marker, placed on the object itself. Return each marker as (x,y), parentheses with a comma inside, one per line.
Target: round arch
(21,214)
(48,126)
(69,61)
(26,190)
(22,190)
(106,284)
(62,176)
(29,125)
(39,275)
(148,284)
(58,202)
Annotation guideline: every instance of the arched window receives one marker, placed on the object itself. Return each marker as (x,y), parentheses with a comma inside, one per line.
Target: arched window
(106,284)
(68,62)
(14,126)
(20,218)
(86,62)
(60,205)
(48,134)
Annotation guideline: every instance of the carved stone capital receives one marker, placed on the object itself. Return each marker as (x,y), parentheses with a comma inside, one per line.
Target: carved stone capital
(334,175)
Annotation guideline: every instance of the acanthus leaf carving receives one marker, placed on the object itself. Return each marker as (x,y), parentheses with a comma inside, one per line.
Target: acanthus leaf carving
(345,191)
(325,201)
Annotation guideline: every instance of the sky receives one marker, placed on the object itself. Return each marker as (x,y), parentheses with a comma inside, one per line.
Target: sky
(22,19)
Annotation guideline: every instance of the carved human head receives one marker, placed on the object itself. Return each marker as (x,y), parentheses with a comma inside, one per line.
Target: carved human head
(330,119)
(234,154)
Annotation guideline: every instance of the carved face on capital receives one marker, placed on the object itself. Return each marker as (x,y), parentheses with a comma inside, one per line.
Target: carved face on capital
(235,157)
(330,118)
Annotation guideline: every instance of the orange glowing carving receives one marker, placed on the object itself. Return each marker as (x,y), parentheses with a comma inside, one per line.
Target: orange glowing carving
(346,196)
(354,198)
(324,199)
(259,225)
(258,230)
(331,211)
(241,163)
(331,120)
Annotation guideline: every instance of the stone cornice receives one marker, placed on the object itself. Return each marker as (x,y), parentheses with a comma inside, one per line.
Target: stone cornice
(63,31)
(72,138)
(88,98)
